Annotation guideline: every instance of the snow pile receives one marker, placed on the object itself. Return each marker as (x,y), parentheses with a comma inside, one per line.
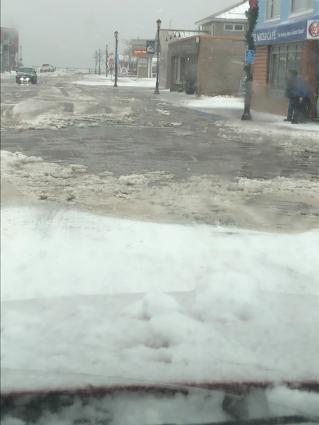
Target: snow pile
(7,75)
(216,102)
(122,82)
(279,203)
(109,301)
(57,107)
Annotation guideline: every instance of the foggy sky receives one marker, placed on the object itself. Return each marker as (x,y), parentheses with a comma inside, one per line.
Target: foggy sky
(67,32)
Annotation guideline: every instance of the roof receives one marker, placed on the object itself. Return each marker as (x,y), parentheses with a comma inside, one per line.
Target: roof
(170,35)
(235,12)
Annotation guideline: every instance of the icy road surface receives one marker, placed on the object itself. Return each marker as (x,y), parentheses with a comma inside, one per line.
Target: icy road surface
(96,300)
(76,141)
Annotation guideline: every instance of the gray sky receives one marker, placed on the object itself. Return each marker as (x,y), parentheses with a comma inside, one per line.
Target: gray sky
(67,32)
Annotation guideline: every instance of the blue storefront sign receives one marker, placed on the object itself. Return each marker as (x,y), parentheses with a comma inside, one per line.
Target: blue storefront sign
(284,33)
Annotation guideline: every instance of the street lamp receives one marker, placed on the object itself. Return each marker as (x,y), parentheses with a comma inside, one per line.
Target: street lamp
(158,56)
(252,15)
(116,35)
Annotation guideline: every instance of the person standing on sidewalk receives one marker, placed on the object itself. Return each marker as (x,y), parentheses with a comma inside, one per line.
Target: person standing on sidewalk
(289,94)
(301,94)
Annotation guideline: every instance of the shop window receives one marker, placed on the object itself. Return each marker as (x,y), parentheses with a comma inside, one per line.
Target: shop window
(282,59)
(298,6)
(234,27)
(273,9)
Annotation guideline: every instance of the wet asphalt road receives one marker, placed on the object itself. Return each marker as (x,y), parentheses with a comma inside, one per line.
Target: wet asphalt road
(154,135)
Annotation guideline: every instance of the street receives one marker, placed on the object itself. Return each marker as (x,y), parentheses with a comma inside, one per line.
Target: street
(130,153)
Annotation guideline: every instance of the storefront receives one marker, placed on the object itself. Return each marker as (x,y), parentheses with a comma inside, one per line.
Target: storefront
(284,47)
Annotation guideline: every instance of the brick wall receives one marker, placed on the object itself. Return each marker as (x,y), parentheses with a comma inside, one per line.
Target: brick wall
(220,65)
(260,70)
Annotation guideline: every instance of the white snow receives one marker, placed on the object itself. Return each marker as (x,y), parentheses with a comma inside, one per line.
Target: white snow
(96,80)
(205,102)
(230,107)
(238,12)
(231,13)
(96,300)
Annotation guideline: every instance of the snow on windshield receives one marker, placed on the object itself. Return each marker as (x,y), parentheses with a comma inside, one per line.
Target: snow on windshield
(100,310)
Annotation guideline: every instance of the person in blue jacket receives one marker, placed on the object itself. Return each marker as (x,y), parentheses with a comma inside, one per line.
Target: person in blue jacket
(289,94)
(300,93)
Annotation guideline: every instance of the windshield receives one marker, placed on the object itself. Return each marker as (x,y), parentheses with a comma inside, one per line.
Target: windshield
(159,212)
(25,70)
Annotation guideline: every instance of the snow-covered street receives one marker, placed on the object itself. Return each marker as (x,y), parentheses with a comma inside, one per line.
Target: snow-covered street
(171,158)
(155,241)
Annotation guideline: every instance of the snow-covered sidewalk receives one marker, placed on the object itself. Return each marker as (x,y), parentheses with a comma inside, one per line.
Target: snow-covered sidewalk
(99,80)
(92,300)
(230,108)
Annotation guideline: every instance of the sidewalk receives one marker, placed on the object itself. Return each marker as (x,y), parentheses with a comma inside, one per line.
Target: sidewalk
(229,109)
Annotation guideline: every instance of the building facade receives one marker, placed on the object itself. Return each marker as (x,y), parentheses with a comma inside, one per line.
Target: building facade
(167,37)
(9,49)
(228,22)
(214,65)
(141,57)
(213,59)
(287,38)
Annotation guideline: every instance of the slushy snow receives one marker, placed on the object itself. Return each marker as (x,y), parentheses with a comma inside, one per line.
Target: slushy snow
(91,300)
(95,80)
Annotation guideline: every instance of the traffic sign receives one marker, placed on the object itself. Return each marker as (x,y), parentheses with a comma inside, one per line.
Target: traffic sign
(250,57)
(151,46)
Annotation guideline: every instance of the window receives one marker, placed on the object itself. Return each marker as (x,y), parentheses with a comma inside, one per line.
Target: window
(298,6)
(282,59)
(273,9)
(234,27)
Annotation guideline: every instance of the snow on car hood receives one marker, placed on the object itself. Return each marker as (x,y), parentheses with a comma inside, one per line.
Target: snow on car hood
(93,300)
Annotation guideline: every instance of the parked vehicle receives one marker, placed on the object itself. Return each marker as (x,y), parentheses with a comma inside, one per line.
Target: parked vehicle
(26,75)
(47,68)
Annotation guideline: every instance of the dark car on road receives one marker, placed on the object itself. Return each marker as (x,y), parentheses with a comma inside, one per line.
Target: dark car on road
(26,75)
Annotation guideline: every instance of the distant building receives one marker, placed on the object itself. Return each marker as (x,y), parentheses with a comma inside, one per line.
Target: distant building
(141,53)
(9,49)
(228,22)
(212,60)
(287,37)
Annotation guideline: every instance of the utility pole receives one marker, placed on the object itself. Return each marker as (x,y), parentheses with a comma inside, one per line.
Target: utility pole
(158,56)
(116,35)
(20,58)
(96,61)
(99,55)
(106,60)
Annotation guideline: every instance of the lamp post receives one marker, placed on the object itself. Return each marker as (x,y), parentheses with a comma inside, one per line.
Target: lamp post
(116,35)
(252,15)
(159,22)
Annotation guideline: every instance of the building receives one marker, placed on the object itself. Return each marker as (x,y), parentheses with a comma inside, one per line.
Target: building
(286,37)
(228,22)
(9,49)
(141,53)
(213,59)
(168,36)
